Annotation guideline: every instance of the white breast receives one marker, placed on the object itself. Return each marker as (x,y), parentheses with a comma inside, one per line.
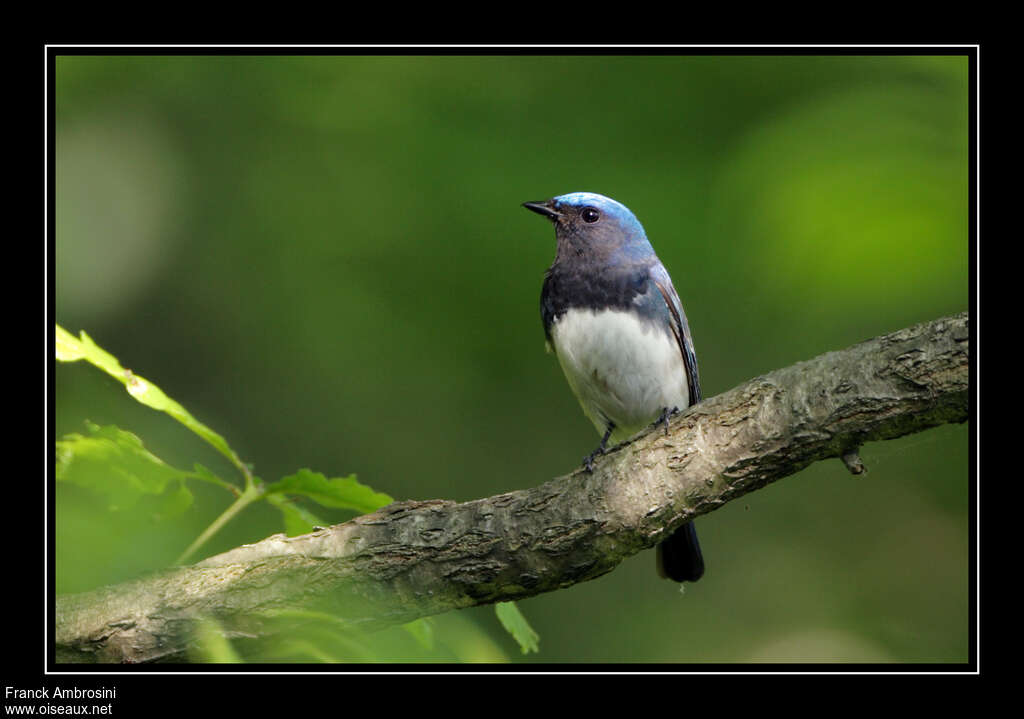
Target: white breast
(620,367)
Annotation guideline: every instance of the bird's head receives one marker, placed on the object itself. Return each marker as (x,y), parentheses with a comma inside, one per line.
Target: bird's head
(589,225)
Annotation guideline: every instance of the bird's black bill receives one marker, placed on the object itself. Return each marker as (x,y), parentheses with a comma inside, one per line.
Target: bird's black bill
(543,208)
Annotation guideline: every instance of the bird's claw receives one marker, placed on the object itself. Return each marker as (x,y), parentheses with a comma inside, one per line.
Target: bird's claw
(588,461)
(663,418)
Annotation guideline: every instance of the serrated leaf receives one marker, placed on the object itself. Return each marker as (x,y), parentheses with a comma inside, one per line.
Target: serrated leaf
(113,463)
(201,472)
(297,520)
(516,625)
(173,503)
(68,348)
(152,396)
(340,492)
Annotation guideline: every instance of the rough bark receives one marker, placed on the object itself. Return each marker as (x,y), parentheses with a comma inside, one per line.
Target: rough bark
(414,559)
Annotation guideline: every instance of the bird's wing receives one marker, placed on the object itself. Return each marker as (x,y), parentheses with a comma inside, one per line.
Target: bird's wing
(680,329)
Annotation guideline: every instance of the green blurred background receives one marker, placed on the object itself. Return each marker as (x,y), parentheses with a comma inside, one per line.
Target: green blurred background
(325,260)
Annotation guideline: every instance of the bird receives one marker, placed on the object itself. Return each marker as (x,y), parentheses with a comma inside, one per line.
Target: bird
(613,319)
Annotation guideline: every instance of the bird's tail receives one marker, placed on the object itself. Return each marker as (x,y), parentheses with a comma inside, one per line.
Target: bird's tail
(679,556)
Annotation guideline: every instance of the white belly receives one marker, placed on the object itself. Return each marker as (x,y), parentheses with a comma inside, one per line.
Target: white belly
(620,368)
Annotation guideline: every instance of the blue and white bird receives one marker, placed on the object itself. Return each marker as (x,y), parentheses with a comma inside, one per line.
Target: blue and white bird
(616,324)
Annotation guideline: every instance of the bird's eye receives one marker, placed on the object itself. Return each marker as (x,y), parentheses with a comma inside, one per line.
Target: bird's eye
(589,214)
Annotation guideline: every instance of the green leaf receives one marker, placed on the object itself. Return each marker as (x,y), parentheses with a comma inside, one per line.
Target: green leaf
(68,348)
(422,630)
(114,463)
(174,502)
(516,625)
(340,492)
(211,645)
(201,472)
(297,520)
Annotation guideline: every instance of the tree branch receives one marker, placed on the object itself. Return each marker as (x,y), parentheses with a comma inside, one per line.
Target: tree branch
(413,559)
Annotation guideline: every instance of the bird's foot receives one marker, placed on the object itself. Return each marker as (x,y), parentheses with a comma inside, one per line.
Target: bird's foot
(588,461)
(662,420)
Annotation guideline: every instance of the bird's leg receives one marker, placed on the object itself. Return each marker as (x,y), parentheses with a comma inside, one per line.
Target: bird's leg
(663,418)
(588,461)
